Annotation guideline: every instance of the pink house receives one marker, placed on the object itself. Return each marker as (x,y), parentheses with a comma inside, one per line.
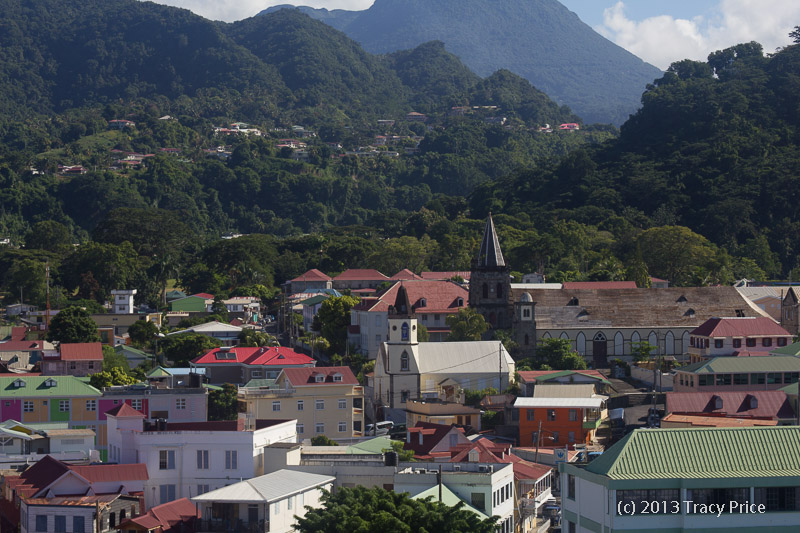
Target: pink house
(738,337)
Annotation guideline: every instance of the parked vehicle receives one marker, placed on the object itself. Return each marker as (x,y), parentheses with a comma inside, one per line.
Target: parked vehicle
(381,428)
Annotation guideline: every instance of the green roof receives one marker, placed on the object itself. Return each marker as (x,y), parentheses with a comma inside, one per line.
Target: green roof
(792,349)
(131,350)
(789,389)
(315,300)
(374,446)
(212,387)
(696,453)
(158,372)
(260,383)
(768,363)
(563,373)
(449,498)
(35,387)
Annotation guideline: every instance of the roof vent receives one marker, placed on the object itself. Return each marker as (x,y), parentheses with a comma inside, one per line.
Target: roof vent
(573,301)
(689,313)
(682,299)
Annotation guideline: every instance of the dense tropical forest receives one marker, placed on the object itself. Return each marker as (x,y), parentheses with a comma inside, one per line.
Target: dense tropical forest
(696,187)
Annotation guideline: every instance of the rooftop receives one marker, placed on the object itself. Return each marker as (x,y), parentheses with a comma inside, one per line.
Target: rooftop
(530,376)
(716,421)
(767,404)
(267,488)
(85,351)
(740,327)
(717,365)
(277,356)
(300,377)
(356,274)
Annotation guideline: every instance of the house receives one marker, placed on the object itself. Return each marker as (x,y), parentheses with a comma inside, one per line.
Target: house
(178,516)
(120,124)
(416,117)
(431,442)
(22,444)
(530,378)
(123,301)
(121,322)
(768,299)
(559,415)
(763,405)
(176,377)
(532,481)
(738,374)
(245,306)
(134,356)
(20,354)
(195,303)
(736,336)
(265,503)
(354,278)
(73,359)
(488,488)
(99,513)
(20,309)
(571,126)
(747,484)
(438,411)
(325,401)
(433,301)
(312,279)
(310,308)
(240,365)
(227,334)
(406,368)
(190,458)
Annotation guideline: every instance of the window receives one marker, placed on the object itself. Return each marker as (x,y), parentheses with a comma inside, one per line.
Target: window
(72,366)
(180,403)
(723,379)
(256,374)
(78,524)
(404,361)
(774,378)
(668,498)
(61,524)
(299,405)
(231,459)
(437,318)
(202,489)
(718,343)
(526,312)
(551,415)
(357,403)
(377,339)
(41,522)
(778,498)
(782,341)
(404,396)
(737,343)
(112,520)
(277,507)
(555,437)
(757,379)
(571,437)
(337,378)
(319,405)
(342,427)
(790,377)
(63,406)
(740,379)
(27,407)
(91,405)
(166,459)
(530,414)
(705,380)
(167,493)
(377,320)
(573,415)
(289,502)
(571,527)
(570,486)
(342,404)
(91,365)
(137,404)
(300,428)
(202,459)
(716,496)
(319,428)
(766,342)
(404,332)
(478,500)
(751,343)
(276,406)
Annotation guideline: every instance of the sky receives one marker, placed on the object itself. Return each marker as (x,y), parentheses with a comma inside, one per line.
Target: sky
(658,31)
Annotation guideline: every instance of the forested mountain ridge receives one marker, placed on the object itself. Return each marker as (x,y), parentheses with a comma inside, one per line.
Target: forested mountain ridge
(541,40)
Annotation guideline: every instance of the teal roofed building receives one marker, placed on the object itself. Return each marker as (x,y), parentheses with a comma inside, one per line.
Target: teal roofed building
(689,479)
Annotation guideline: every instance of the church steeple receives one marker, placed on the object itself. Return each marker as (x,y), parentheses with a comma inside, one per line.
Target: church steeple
(490,254)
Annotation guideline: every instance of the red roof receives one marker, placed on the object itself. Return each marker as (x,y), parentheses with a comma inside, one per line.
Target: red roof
(530,376)
(492,452)
(125,410)
(47,470)
(203,295)
(599,285)
(81,351)
(405,274)
(715,421)
(166,516)
(425,296)
(312,275)
(740,327)
(299,377)
(446,275)
(769,404)
(111,473)
(276,356)
(432,434)
(18,333)
(20,346)
(356,274)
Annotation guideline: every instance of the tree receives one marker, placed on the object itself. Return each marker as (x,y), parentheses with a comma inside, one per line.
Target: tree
(251,337)
(334,317)
(114,360)
(49,235)
(422,333)
(403,456)
(361,509)
(795,35)
(559,355)
(222,404)
(671,252)
(143,332)
(182,348)
(98,268)
(322,440)
(467,325)
(106,378)
(73,324)
(642,350)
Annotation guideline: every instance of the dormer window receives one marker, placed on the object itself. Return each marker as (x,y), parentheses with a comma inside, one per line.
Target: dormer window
(50,383)
(753,402)
(460,302)
(337,378)
(717,402)
(689,313)
(573,301)
(319,378)
(18,383)
(682,299)
(423,302)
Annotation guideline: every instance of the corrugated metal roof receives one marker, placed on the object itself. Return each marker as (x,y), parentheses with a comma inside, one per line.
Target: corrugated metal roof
(81,351)
(267,488)
(449,498)
(578,390)
(595,402)
(769,404)
(65,386)
(740,327)
(717,365)
(463,357)
(692,453)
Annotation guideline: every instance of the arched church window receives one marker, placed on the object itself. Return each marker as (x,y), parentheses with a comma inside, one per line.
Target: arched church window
(499,290)
(485,290)
(404,360)
(404,332)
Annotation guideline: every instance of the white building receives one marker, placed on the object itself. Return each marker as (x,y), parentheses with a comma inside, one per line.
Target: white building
(123,301)
(489,488)
(689,479)
(185,459)
(266,503)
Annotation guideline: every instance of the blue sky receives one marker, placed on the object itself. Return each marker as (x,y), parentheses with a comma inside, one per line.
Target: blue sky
(658,31)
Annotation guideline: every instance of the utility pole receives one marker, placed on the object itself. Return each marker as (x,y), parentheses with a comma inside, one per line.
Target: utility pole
(47,289)
(500,368)
(538,440)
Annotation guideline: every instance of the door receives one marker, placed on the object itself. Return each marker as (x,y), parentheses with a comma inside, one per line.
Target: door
(600,350)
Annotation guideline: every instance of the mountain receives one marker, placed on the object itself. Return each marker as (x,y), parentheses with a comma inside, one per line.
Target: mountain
(540,40)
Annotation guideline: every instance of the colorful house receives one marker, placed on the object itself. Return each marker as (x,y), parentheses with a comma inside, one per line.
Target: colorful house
(559,415)
(738,374)
(736,336)
(196,303)
(242,364)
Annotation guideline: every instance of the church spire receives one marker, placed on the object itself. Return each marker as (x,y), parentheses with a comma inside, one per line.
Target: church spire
(490,254)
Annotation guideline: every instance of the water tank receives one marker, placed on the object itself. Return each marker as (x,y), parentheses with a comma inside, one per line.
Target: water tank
(391,458)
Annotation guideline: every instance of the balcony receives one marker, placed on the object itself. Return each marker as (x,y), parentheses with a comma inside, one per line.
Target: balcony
(266,393)
(232,526)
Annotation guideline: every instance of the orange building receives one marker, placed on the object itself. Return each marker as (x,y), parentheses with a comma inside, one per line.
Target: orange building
(562,414)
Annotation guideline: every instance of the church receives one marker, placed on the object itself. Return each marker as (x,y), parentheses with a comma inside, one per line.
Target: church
(601,322)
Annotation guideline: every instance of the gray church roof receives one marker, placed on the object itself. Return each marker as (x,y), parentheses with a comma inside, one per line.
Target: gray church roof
(490,254)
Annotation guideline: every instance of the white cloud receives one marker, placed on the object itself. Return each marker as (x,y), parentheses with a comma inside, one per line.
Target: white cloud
(231,10)
(663,39)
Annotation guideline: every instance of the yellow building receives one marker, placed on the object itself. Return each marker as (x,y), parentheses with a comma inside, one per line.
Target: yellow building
(325,401)
(441,412)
